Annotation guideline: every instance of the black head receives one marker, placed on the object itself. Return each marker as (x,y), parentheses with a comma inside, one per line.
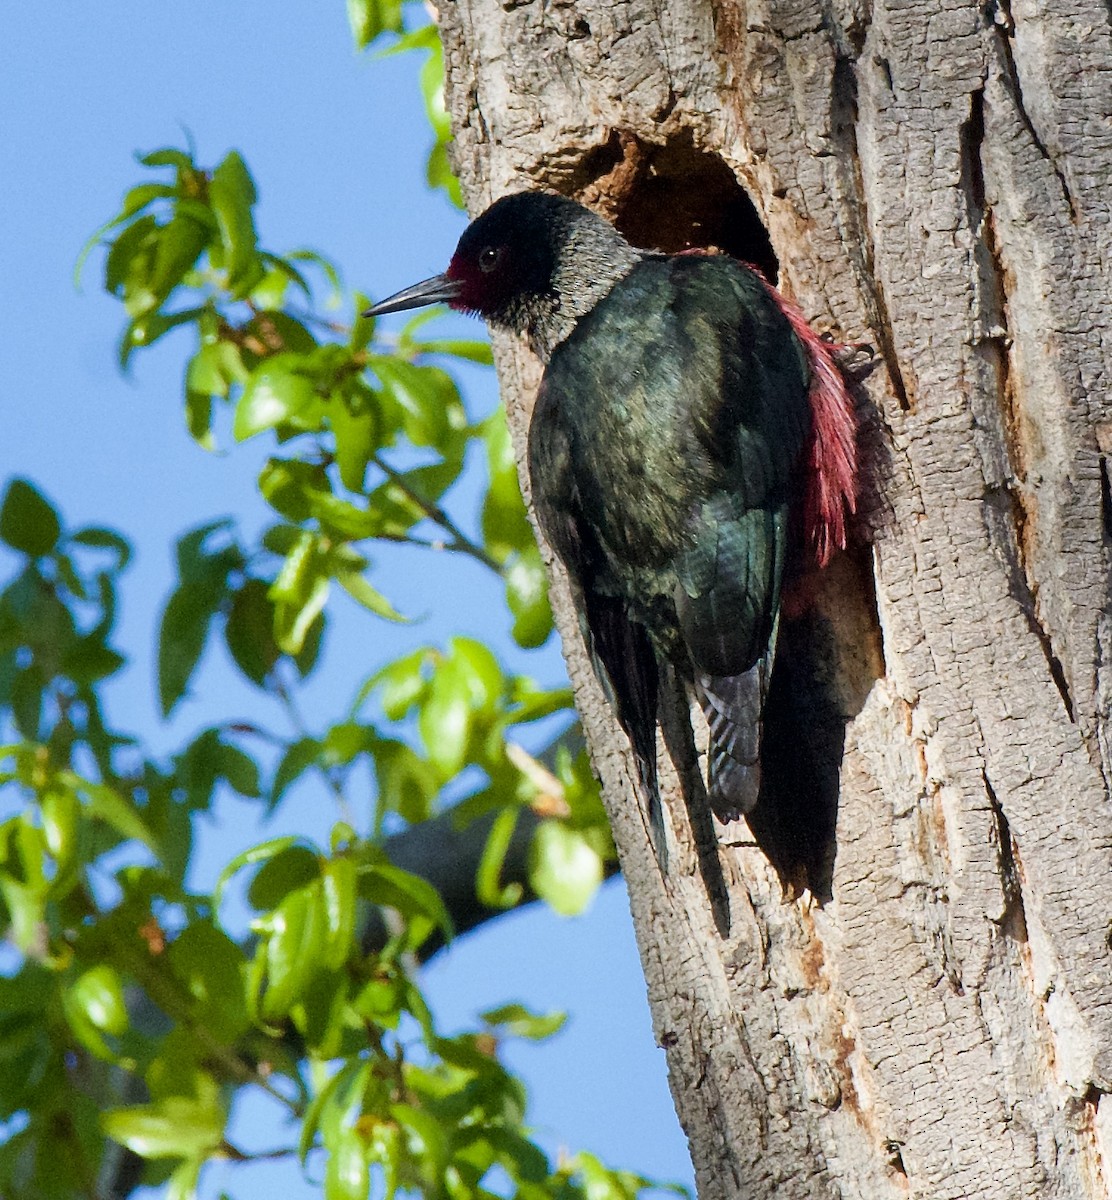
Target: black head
(529,257)
(509,254)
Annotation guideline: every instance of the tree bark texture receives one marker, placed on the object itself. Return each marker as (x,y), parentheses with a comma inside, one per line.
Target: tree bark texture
(899,981)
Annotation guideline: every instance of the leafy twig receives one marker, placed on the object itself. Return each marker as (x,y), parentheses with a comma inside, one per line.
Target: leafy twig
(460,541)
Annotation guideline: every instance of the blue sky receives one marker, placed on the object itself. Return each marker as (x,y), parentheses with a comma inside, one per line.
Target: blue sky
(336,142)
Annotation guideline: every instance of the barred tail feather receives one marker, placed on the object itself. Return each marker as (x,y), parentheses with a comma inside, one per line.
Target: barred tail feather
(732,705)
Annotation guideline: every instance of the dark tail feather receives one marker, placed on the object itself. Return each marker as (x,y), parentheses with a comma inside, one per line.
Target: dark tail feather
(637,715)
(650,786)
(626,666)
(732,705)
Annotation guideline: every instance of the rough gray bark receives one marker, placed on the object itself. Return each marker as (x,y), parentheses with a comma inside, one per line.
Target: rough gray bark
(937,179)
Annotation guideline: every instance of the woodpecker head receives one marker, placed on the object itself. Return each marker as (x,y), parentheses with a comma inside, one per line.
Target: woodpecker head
(533,263)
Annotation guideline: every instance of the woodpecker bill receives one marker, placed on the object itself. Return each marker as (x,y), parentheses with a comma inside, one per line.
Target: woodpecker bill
(692,449)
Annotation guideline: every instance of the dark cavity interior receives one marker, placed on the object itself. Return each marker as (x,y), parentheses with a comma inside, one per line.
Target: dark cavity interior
(677,197)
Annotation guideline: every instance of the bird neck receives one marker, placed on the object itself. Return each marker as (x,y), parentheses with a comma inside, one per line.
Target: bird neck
(591,257)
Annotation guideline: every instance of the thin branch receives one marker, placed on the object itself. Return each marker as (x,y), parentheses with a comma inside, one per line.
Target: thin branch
(234,1154)
(460,541)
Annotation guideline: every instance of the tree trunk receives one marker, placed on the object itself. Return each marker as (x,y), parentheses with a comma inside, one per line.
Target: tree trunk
(900,982)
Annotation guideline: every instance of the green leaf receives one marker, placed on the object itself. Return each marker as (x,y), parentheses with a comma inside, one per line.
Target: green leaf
(295,938)
(277,390)
(355,426)
(287,485)
(480,671)
(369,18)
(427,1138)
(280,332)
(214,368)
(407,783)
(99,996)
(516,1020)
(60,812)
(523,1160)
(180,243)
(362,328)
(488,886)
(148,328)
(381,1000)
(432,410)
(182,1184)
(128,262)
(342,519)
(296,760)
(284,267)
(532,702)
(104,539)
(338,883)
(232,196)
(249,631)
(564,868)
(601,1183)
(88,660)
(505,524)
(106,804)
(345,742)
(142,195)
(280,539)
(240,770)
(323,1014)
(210,967)
(270,292)
(306,658)
(176,1127)
(210,758)
(198,560)
(432,87)
(439,173)
(400,684)
(310,1123)
(425,37)
(28,522)
(290,869)
(198,419)
(31,851)
(445,718)
(182,636)
(346,1177)
(527,597)
(293,581)
(357,586)
(167,157)
(27,690)
(325,265)
(299,592)
(412,896)
(246,858)
(470,350)
(25,912)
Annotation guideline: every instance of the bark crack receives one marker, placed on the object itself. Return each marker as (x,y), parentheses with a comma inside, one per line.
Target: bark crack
(844,129)
(1013,919)
(1004,24)
(1105,496)
(994,319)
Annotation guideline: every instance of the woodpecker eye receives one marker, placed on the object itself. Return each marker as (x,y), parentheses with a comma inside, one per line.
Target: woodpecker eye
(489,258)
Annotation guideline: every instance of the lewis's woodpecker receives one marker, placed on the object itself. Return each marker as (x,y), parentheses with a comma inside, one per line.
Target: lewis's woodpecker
(691,453)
